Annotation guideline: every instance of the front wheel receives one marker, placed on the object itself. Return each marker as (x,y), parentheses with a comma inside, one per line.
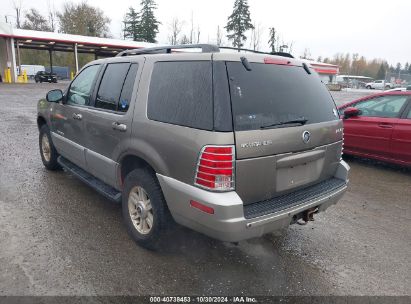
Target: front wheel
(144,208)
(368,87)
(47,150)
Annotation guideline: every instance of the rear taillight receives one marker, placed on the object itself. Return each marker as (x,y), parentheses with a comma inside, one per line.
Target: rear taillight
(215,168)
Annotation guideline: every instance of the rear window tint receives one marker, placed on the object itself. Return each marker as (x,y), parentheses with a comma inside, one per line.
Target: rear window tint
(181,94)
(271,94)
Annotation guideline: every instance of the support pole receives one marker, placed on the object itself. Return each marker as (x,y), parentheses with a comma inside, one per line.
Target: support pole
(18,57)
(51,60)
(76,57)
(13,77)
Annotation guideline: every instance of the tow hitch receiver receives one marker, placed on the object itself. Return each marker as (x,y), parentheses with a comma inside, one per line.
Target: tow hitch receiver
(307,216)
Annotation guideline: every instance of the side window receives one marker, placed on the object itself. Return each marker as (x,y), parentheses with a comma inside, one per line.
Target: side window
(181,94)
(81,87)
(409,114)
(385,106)
(108,94)
(125,97)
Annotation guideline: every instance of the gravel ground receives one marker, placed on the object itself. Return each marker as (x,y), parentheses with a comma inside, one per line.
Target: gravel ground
(59,237)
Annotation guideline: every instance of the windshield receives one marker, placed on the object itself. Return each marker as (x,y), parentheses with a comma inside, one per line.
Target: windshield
(270,95)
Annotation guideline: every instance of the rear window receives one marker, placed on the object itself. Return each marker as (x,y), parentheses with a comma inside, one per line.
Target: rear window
(272,94)
(181,94)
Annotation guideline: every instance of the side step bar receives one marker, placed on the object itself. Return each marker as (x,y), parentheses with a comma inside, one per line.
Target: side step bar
(101,187)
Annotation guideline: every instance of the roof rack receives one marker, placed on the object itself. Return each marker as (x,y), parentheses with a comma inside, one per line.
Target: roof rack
(282,54)
(205,48)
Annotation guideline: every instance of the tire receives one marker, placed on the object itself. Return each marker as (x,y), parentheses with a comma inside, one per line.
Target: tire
(139,185)
(48,152)
(368,87)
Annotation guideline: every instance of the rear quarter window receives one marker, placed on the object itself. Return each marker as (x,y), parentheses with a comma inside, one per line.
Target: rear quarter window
(181,94)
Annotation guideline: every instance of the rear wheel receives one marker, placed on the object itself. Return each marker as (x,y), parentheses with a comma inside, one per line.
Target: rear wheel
(47,150)
(144,208)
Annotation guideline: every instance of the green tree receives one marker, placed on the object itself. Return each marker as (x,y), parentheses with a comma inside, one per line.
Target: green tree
(148,22)
(273,39)
(398,67)
(131,25)
(83,19)
(239,22)
(35,21)
(381,72)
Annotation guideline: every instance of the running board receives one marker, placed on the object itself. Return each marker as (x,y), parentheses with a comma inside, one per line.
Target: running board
(101,187)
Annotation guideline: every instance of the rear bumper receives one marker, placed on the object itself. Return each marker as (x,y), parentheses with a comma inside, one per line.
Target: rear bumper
(228,222)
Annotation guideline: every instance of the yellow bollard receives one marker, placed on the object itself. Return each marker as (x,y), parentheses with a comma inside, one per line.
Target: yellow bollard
(5,80)
(24,76)
(8,75)
(72,75)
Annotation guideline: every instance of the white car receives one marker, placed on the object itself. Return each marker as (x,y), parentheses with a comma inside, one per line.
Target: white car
(379,85)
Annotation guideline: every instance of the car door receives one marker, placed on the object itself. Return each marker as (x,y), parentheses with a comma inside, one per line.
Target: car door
(67,118)
(401,138)
(108,122)
(370,132)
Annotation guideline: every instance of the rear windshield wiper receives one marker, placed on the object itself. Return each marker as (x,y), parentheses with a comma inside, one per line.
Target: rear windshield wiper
(300,122)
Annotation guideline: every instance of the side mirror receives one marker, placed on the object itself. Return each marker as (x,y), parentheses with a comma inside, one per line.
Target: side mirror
(54,95)
(351,112)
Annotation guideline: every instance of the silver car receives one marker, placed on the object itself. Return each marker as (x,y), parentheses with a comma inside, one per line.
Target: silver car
(233,145)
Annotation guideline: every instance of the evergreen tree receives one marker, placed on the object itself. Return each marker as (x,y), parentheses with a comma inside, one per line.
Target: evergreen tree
(131,25)
(398,67)
(148,23)
(239,22)
(273,39)
(406,67)
(381,72)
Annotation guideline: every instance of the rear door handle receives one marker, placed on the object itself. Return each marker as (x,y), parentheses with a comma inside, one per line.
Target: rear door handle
(385,125)
(119,127)
(77,116)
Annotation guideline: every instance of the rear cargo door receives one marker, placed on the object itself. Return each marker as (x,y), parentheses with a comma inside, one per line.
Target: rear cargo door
(287,131)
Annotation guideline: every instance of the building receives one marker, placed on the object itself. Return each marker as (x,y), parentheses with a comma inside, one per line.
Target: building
(13,40)
(327,72)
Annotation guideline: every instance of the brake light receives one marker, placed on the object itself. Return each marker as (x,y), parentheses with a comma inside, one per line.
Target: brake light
(280,61)
(215,168)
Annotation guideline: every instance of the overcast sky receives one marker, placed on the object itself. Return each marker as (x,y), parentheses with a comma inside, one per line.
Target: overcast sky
(375,29)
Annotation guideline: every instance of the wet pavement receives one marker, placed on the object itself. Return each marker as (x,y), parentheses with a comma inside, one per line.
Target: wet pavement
(59,237)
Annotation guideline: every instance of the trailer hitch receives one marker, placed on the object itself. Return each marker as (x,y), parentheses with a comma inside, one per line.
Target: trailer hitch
(308,216)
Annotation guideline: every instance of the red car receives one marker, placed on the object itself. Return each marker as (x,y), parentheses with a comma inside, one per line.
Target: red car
(379,126)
